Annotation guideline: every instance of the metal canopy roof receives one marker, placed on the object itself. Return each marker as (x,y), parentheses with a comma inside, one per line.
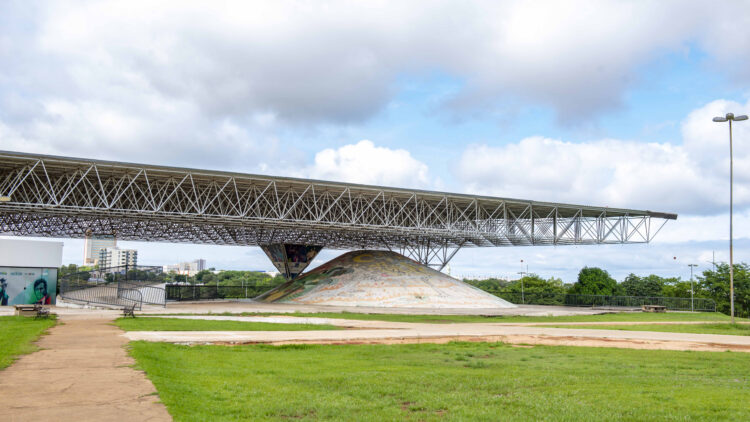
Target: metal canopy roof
(54,196)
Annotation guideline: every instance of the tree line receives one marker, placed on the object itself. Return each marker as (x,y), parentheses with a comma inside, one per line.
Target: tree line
(711,284)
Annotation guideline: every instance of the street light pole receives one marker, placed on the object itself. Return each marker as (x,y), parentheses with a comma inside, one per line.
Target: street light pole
(692,305)
(730,117)
(523,274)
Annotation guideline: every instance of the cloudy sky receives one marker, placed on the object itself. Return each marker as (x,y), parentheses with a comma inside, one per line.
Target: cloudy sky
(596,102)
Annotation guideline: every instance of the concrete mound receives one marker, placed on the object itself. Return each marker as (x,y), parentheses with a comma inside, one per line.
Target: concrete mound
(381,279)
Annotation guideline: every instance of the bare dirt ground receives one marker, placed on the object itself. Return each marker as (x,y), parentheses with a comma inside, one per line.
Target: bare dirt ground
(383,332)
(82,373)
(529,341)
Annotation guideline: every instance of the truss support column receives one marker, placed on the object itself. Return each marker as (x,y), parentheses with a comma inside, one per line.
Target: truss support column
(290,259)
(431,255)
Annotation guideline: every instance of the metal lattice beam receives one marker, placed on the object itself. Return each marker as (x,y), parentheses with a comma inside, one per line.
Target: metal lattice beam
(70,197)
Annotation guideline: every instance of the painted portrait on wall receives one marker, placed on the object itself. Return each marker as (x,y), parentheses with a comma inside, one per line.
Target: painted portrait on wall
(22,286)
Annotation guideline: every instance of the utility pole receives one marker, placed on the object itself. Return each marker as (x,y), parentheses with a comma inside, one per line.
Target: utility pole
(692,304)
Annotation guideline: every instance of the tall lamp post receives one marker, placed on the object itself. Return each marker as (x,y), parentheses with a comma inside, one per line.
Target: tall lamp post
(692,306)
(523,274)
(730,117)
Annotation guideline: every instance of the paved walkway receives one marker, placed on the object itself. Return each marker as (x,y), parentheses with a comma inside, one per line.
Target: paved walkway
(82,373)
(249,306)
(235,306)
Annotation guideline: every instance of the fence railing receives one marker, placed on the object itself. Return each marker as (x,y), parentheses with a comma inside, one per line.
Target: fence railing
(131,285)
(152,295)
(183,292)
(602,301)
(112,295)
(179,292)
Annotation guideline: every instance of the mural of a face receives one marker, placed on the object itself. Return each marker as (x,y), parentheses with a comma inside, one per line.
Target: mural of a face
(40,288)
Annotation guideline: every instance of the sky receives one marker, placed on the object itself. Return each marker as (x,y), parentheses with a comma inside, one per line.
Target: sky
(606,103)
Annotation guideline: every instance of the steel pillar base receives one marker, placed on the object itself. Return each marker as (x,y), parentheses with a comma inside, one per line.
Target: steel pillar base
(290,259)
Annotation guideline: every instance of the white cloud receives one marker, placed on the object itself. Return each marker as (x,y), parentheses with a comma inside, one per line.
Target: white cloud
(337,61)
(689,178)
(184,82)
(366,163)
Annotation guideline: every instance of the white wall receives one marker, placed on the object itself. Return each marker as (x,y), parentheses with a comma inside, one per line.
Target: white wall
(30,253)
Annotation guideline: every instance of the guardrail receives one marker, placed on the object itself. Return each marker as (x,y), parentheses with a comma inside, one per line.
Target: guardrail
(181,292)
(132,285)
(152,295)
(112,295)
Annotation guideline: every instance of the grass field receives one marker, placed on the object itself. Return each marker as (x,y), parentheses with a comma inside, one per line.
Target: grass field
(16,335)
(720,328)
(456,382)
(177,324)
(447,319)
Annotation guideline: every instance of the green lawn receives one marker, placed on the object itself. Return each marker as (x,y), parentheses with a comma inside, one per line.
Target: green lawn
(16,335)
(177,324)
(720,328)
(456,382)
(623,316)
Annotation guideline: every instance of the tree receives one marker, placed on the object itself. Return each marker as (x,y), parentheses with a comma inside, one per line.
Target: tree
(634,285)
(490,285)
(594,281)
(715,284)
(205,277)
(676,287)
(538,290)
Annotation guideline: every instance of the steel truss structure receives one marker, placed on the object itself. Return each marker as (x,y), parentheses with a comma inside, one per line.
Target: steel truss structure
(71,197)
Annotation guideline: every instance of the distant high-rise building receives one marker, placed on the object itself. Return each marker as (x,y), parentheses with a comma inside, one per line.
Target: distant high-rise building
(116,257)
(93,245)
(200,264)
(187,268)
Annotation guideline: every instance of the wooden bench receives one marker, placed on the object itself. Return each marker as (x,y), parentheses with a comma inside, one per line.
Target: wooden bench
(654,308)
(129,310)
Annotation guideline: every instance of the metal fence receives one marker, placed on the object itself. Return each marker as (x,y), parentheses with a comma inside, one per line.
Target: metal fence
(112,295)
(118,286)
(151,295)
(601,301)
(180,292)
(183,292)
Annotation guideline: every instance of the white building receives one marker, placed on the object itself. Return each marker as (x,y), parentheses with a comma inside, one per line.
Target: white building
(93,245)
(116,257)
(186,268)
(28,271)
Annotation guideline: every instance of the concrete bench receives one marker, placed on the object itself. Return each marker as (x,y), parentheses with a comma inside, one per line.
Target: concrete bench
(25,310)
(35,310)
(654,308)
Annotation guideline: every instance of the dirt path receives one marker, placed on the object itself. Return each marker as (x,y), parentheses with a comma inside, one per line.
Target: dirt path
(82,373)
(389,333)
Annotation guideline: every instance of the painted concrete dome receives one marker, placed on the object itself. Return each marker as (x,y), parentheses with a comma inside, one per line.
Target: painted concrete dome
(381,279)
